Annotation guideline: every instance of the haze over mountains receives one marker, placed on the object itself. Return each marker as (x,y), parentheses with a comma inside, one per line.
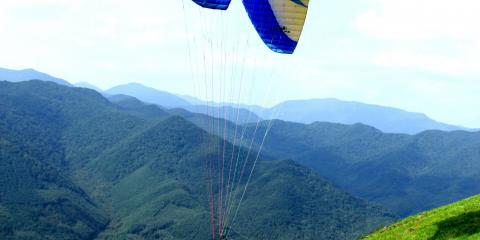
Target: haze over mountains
(88,85)
(149,95)
(406,173)
(28,74)
(75,166)
(386,119)
(80,164)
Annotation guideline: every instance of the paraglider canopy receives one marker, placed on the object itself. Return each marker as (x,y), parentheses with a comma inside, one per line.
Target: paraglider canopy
(214,4)
(278,22)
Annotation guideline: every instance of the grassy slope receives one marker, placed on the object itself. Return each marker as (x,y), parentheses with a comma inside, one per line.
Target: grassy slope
(460,220)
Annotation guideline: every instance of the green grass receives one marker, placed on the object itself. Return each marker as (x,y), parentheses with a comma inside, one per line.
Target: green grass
(460,220)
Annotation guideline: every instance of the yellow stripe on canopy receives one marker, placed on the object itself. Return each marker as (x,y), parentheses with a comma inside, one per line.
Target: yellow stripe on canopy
(291,16)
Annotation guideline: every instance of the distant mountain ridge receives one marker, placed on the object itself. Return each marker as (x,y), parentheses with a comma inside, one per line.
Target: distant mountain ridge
(407,173)
(148,95)
(89,86)
(168,100)
(28,74)
(386,119)
(231,113)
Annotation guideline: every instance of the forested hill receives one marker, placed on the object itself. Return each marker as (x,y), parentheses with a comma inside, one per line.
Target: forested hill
(386,119)
(75,166)
(406,173)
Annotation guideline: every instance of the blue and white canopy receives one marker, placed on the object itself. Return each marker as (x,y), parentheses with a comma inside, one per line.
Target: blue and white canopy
(214,4)
(278,22)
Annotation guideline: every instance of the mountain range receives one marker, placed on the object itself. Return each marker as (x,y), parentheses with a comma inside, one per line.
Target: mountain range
(386,119)
(88,85)
(406,173)
(28,74)
(76,166)
(148,95)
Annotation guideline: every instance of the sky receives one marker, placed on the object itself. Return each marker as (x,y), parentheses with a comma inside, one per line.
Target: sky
(417,55)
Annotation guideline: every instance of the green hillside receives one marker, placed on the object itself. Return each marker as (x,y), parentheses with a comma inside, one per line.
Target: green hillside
(460,220)
(38,199)
(171,154)
(407,173)
(75,166)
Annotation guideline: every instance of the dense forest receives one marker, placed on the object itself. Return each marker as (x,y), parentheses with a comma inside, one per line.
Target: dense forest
(405,173)
(74,165)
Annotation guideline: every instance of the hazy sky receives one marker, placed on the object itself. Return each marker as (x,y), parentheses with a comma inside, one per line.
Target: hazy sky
(418,55)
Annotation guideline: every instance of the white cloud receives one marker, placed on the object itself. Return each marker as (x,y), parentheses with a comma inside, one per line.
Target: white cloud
(441,36)
(421,20)
(468,64)
(59,36)
(111,42)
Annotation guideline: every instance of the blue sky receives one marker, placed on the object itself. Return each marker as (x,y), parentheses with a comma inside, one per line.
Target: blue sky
(418,55)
